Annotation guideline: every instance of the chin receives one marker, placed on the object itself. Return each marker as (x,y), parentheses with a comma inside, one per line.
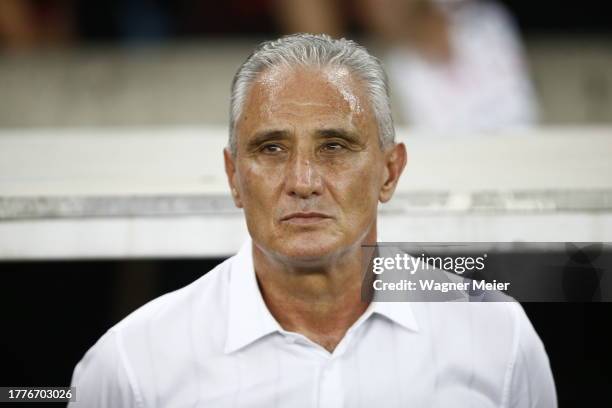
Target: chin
(309,248)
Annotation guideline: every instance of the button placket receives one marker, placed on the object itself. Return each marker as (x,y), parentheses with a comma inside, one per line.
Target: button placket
(331,393)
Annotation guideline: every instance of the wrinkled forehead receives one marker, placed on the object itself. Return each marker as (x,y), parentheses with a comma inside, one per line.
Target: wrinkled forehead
(308,90)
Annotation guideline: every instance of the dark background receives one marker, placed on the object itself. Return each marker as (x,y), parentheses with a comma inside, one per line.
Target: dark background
(193,18)
(172,20)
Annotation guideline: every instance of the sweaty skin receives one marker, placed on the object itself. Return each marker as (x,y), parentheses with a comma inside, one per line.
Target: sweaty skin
(309,172)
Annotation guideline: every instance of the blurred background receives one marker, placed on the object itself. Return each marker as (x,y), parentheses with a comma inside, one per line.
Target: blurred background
(113,115)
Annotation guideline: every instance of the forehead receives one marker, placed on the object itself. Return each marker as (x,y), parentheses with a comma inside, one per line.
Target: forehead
(307,93)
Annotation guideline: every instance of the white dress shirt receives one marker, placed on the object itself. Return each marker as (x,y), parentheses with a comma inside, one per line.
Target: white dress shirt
(214,343)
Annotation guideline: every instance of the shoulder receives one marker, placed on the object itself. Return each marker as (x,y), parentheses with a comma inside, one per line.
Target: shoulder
(103,378)
(502,321)
(499,344)
(169,323)
(209,291)
(529,380)
(494,321)
(120,363)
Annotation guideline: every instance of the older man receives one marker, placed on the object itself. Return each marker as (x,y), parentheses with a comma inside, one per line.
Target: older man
(283,323)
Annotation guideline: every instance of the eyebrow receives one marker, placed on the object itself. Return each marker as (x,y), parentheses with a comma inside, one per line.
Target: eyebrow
(267,135)
(340,133)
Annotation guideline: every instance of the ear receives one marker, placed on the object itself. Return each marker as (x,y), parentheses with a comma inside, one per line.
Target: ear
(395,161)
(230,171)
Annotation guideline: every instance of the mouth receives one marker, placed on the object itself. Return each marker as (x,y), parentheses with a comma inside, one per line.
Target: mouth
(305,218)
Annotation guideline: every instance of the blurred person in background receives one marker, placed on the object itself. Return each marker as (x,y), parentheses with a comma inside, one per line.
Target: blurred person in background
(32,24)
(455,65)
(26,24)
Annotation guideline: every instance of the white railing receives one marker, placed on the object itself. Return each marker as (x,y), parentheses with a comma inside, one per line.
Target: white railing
(161,192)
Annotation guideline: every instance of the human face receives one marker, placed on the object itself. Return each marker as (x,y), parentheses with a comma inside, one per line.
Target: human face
(309,170)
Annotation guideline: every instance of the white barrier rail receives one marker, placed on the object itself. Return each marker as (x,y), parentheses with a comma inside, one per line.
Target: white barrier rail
(161,192)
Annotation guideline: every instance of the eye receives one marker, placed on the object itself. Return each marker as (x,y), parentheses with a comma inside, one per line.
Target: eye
(271,148)
(333,147)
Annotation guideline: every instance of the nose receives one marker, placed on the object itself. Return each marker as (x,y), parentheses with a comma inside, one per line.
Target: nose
(303,178)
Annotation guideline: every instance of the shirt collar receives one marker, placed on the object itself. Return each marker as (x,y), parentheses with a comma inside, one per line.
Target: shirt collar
(401,313)
(249,318)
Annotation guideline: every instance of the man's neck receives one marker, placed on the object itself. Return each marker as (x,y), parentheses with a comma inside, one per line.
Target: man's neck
(319,303)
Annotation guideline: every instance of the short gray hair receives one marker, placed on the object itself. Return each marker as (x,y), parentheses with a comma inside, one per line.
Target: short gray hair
(320,51)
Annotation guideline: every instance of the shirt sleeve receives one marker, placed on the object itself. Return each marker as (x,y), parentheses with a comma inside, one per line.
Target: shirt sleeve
(102,377)
(531,383)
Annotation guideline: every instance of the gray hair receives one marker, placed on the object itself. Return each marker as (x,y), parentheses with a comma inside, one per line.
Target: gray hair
(319,51)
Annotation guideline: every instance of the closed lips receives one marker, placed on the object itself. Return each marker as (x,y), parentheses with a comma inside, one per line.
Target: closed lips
(304,215)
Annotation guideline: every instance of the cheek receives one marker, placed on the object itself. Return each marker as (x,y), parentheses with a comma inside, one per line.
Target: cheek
(258,184)
(356,186)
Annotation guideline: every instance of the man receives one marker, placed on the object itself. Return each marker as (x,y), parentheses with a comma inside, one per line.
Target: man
(282,323)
